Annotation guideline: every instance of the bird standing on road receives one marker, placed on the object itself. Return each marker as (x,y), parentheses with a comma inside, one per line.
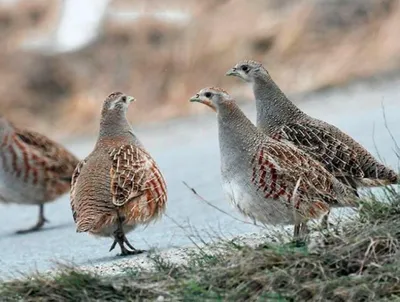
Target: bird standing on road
(33,169)
(280,119)
(267,180)
(118,186)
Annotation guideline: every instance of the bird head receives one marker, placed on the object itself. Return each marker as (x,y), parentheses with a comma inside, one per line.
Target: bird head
(117,101)
(213,97)
(247,70)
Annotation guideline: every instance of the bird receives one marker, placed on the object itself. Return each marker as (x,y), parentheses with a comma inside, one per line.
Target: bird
(118,186)
(34,169)
(282,120)
(269,181)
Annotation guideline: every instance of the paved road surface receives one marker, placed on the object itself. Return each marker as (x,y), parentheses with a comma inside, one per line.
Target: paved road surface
(187,149)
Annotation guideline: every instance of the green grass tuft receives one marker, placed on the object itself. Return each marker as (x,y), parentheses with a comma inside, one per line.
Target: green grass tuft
(359,263)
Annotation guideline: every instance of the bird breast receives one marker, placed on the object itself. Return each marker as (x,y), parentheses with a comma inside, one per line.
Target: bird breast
(251,203)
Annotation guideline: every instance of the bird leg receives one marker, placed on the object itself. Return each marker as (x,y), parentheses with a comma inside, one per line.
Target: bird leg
(120,238)
(41,221)
(304,229)
(300,231)
(324,221)
(296,231)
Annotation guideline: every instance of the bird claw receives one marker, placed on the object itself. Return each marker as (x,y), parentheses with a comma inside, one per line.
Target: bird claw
(124,250)
(113,245)
(127,252)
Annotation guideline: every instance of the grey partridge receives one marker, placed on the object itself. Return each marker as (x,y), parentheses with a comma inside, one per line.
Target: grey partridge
(269,181)
(280,119)
(118,186)
(34,169)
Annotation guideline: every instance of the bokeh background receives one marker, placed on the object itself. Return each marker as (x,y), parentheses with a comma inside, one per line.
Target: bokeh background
(60,59)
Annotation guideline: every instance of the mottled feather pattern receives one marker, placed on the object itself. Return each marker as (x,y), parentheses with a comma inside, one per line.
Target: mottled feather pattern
(284,173)
(37,161)
(134,188)
(90,196)
(136,178)
(336,156)
(219,89)
(338,153)
(74,179)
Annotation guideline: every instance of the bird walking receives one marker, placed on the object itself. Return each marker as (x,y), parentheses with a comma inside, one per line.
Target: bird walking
(34,170)
(280,119)
(269,181)
(118,186)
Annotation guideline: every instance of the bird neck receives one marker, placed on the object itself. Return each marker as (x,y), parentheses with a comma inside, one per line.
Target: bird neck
(274,109)
(236,132)
(115,125)
(6,133)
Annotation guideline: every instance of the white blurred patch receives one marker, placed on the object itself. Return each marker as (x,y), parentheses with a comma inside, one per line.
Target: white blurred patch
(78,26)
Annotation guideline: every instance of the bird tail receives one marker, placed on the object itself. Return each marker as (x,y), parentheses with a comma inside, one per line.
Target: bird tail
(381,175)
(369,183)
(84,226)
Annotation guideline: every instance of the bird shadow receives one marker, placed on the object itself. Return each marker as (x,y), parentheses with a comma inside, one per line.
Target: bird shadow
(112,258)
(43,230)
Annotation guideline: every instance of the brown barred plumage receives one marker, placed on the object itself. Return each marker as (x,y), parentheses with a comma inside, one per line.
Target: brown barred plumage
(270,181)
(279,118)
(118,186)
(33,169)
(338,152)
(276,169)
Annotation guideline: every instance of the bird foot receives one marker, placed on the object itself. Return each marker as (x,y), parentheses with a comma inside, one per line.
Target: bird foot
(299,242)
(121,240)
(126,252)
(35,228)
(113,245)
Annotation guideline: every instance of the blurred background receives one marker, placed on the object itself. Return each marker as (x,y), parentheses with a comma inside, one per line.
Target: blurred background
(340,59)
(60,59)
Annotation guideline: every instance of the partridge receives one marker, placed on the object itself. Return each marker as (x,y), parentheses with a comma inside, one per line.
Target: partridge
(280,119)
(34,169)
(271,182)
(118,186)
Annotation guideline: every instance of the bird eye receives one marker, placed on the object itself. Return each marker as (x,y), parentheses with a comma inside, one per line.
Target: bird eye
(123,98)
(245,68)
(207,94)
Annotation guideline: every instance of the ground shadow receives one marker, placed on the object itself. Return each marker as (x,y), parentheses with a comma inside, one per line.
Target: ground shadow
(45,229)
(114,257)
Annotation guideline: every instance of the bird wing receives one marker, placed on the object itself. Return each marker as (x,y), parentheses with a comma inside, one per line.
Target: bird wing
(339,153)
(51,155)
(335,154)
(281,171)
(74,180)
(133,174)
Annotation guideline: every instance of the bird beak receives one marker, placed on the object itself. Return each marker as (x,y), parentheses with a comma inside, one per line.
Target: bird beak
(232,72)
(131,99)
(195,98)
(207,102)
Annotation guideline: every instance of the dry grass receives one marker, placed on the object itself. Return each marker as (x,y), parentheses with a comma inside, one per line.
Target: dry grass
(359,263)
(306,45)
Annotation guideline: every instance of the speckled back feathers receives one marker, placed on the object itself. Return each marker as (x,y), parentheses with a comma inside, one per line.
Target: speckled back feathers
(31,161)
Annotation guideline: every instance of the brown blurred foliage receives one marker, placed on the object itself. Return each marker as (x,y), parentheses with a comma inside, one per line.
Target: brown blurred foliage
(305,44)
